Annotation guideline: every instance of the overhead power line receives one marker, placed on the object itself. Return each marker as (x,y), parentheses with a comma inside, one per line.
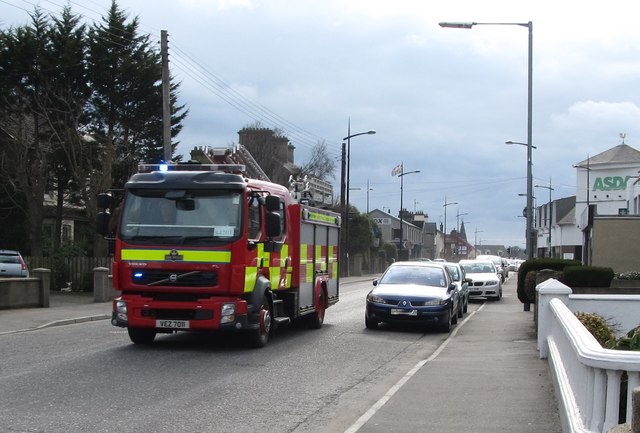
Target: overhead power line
(205,76)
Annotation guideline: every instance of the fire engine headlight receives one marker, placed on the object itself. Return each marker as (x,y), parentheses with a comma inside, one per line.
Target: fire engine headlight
(121,310)
(228,313)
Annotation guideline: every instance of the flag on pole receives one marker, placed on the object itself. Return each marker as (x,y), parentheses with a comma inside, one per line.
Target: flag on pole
(396,170)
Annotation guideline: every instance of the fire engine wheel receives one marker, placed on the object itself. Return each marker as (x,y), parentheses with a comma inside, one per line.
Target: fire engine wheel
(316,319)
(260,336)
(141,335)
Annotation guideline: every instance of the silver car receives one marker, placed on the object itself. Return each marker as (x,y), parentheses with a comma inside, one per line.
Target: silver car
(460,279)
(12,265)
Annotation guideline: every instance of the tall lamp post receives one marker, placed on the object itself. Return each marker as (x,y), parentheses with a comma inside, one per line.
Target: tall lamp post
(344,201)
(529,206)
(445,224)
(529,26)
(458,215)
(548,212)
(368,189)
(475,242)
(401,175)
(586,243)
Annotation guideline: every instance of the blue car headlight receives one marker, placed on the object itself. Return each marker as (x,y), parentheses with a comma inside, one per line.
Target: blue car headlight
(375,299)
(435,302)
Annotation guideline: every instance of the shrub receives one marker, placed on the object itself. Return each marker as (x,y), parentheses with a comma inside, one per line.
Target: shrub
(599,328)
(587,276)
(536,265)
(631,341)
(530,286)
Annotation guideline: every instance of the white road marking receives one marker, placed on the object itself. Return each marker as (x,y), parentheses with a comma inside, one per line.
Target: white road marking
(395,388)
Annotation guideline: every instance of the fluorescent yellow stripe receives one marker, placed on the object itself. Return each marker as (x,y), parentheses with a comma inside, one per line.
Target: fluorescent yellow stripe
(320,259)
(250,276)
(314,216)
(186,255)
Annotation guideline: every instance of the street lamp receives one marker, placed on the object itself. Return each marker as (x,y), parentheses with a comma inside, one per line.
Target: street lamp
(344,203)
(586,242)
(528,25)
(445,223)
(368,189)
(458,215)
(529,207)
(401,175)
(588,169)
(475,242)
(548,211)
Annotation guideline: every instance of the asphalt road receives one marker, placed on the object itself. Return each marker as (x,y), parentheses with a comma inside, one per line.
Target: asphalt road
(89,377)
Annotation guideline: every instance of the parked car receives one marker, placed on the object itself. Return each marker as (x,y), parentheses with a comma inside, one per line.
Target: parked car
(499,262)
(462,282)
(485,279)
(413,292)
(12,265)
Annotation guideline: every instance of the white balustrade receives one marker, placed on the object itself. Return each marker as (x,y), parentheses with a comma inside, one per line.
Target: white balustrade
(587,377)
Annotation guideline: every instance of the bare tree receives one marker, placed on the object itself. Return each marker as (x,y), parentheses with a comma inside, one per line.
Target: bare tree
(321,165)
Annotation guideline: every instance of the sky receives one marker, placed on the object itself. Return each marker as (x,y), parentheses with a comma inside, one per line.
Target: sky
(441,100)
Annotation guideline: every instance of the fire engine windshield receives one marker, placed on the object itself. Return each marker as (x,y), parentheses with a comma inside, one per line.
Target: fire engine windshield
(186,217)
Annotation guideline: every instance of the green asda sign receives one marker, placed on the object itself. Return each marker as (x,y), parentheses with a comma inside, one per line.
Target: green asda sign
(610,183)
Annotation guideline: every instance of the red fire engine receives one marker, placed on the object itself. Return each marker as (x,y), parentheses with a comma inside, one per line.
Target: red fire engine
(202,247)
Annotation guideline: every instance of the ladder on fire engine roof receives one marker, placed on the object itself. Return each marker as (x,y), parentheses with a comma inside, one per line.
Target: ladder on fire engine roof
(237,155)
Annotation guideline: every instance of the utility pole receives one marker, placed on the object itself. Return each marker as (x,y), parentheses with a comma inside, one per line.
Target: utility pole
(166,101)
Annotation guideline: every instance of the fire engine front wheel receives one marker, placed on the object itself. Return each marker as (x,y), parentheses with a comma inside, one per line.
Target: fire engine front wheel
(141,335)
(259,337)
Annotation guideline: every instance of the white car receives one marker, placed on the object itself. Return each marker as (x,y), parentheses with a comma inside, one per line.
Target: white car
(486,281)
(501,264)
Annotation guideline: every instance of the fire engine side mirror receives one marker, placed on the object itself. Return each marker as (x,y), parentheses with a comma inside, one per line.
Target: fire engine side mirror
(272,224)
(272,203)
(105,200)
(102,223)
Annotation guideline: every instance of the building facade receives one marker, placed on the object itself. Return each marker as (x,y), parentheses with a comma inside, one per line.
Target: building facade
(418,235)
(600,225)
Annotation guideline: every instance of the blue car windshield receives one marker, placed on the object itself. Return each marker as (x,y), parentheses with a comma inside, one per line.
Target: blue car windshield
(423,276)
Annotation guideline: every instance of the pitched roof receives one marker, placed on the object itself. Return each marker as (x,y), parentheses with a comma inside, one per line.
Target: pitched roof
(621,153)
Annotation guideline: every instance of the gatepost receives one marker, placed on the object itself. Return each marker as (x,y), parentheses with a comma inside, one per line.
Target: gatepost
(44,275)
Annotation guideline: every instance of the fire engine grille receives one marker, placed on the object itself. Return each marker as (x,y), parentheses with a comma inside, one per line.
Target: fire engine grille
(172,278)
(178,314)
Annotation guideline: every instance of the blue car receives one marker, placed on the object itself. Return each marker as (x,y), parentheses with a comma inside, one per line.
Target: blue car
(460,279)
(421,293)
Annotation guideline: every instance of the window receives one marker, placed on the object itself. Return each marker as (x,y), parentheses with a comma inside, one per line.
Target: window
(283,223)
(197,216)
(254,220)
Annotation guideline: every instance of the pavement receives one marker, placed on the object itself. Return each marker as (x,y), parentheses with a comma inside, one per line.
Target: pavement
(64,308)
(486,377)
